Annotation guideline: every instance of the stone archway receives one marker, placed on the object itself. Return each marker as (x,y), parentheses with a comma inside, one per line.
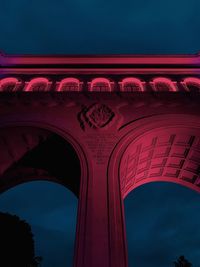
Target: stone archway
(166,148)
(169,154)
(24,146)
(157,148)
(30,153)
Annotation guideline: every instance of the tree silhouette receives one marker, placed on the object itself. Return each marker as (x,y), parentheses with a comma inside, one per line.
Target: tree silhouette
(182,262)
(16,242)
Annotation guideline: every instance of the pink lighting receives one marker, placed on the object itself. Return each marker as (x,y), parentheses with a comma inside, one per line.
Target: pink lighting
(111,118)
(191,84)
(132,84)
(38,84)
(69,84)
(9,84)
(100,85)
(163,84)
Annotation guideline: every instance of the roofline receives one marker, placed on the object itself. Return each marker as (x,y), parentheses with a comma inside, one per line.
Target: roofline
(119,59)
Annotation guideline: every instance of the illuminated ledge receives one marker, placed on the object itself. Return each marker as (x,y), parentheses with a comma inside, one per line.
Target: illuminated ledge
(121,73)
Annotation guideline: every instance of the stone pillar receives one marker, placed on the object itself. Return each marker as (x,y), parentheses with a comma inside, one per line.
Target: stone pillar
(100,231)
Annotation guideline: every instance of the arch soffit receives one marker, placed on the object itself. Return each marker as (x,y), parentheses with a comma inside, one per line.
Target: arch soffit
(136,131)
(63,134)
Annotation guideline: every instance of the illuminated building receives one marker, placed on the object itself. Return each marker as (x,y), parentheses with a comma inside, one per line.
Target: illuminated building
(101,126)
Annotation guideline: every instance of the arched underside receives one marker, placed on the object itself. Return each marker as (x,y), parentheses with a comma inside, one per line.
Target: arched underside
(170,154)
(30,153)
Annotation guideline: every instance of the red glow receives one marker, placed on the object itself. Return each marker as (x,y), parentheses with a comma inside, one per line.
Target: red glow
(69,84)
(191,82)
(121,140)
(38,84)
(9,84)
(132,84)
(7,60)
(100,85)
(128,84)
(164,84)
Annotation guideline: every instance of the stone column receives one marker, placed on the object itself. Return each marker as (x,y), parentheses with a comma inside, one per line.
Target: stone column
(100,232)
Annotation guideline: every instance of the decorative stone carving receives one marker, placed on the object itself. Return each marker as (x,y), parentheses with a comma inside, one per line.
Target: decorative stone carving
(96,116)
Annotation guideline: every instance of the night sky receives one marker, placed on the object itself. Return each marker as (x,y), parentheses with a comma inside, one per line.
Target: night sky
(162,219)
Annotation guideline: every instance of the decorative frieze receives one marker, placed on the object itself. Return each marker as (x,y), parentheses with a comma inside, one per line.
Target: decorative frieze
(73,84)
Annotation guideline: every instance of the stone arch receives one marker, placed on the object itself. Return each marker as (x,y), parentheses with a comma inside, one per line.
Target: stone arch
(69,84)
(32,120)
(35,133)
(163,84)
(30,153)
(179,132)
(37,84)
(131,84)
(167,154)
(164,148)
(9,84)
(100,84)
(191,84)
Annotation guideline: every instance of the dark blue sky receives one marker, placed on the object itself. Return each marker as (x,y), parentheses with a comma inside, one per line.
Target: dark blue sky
(162,219)
(162,222)
(50,209)
(100,26)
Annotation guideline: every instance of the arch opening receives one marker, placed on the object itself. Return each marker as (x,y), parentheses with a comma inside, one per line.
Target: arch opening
(50,210)
(168,153)
(162,224)
(30,153)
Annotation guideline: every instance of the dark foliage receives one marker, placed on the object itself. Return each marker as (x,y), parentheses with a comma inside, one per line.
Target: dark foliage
(16,242)
(182,262)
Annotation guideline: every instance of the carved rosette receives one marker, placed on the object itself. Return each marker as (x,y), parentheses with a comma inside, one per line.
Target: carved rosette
(96,116)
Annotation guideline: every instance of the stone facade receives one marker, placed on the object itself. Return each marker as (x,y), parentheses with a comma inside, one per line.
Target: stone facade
(112,123)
